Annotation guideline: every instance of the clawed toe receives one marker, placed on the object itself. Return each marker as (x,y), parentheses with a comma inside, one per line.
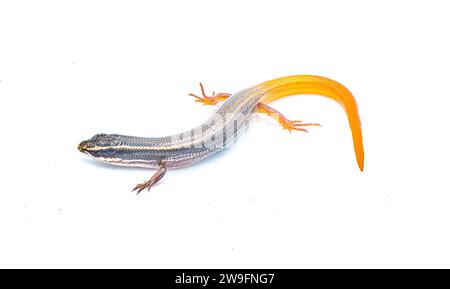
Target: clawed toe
(296,125)
(139,187)
(210,100)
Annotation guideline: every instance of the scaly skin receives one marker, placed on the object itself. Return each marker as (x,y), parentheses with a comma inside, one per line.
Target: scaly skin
(189,147)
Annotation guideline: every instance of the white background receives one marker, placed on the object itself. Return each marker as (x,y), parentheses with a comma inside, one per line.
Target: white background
(71,69)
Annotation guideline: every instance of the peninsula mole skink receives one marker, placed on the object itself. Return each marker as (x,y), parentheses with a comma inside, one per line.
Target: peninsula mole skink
(222,128)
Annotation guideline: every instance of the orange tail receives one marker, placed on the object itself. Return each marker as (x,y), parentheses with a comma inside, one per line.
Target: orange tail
(310,84)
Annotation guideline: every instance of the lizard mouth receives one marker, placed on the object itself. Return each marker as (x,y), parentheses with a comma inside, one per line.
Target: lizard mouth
(82,147)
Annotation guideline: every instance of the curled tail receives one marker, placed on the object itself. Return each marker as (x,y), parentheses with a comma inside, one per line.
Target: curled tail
(310,84)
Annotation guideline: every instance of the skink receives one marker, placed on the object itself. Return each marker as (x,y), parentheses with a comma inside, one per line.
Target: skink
(222,128)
